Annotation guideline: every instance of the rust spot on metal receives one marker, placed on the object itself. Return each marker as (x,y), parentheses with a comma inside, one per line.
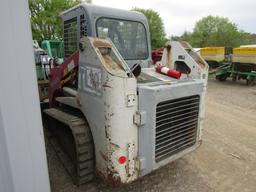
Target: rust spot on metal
(106,131)
(126,169)
(114,146)
(105,85)
(108,60)
(185,45)
(101,43)
(168,58)
(200,62)
(113,178)
(103,156)
(78,102)
(113,64)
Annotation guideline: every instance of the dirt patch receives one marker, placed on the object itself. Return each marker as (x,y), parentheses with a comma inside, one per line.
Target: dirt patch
(226,161)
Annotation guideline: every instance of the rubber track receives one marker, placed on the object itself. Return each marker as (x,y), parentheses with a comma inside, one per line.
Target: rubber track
(83,171)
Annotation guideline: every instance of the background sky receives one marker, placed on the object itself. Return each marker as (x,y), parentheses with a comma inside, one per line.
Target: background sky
(181,15)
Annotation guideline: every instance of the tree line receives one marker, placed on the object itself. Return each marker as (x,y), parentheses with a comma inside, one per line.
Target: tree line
(216,31)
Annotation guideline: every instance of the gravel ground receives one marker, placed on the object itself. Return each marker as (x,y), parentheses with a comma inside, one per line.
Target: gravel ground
(226,161)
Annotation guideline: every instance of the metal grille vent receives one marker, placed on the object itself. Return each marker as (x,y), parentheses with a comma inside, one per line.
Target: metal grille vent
(176,126)
(83,26)
(70,36)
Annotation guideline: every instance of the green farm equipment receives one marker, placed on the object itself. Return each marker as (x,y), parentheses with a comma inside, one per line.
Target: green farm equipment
(236,72)
(42,70)
(243,66)
(55,49)
(41,61)
(49,54)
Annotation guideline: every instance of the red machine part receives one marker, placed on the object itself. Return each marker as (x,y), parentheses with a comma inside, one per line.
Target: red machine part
(168,71)
(62,74)
(157,54)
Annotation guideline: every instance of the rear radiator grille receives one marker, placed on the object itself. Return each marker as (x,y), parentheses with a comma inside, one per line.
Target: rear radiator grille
(176,126)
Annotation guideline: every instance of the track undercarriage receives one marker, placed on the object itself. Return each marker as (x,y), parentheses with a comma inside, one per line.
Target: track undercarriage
(72,142)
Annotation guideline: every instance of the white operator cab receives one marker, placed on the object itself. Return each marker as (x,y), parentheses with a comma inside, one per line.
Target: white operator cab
(128,30)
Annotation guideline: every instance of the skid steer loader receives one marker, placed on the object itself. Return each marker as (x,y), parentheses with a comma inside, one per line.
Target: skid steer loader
(112,114)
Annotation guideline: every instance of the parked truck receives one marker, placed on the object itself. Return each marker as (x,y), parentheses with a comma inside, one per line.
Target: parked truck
(112,114)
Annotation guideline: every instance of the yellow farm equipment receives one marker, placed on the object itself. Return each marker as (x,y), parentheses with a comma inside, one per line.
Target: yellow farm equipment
(243,66)
(213,55)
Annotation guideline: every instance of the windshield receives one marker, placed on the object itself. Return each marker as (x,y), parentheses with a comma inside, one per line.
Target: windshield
(129,37)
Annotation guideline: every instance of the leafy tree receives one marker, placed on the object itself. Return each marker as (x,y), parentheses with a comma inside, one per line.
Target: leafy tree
(45,20)
(247,38)
(215,31)
(187,36)
(156,27)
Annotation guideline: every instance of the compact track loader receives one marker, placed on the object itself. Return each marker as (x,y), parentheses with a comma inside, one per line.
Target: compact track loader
(111,113)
